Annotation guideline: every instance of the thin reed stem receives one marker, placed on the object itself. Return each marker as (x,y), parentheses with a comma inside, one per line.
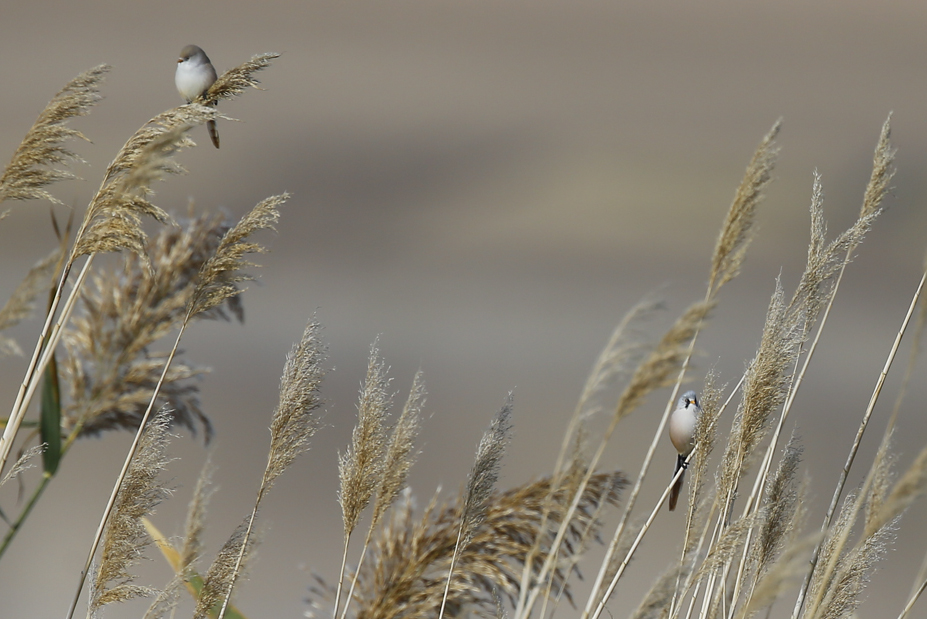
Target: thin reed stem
(347,600)
(752,504)
(241,554)
(844,473)
(450,571)
(640,536)
(344,563)
(27,387)
(122,474)
(638,484)
(913,600)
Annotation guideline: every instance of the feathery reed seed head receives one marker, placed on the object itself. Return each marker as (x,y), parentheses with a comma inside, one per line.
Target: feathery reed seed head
(31,168)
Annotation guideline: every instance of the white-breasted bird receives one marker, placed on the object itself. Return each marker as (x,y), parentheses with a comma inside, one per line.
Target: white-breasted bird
(195,74)
(682,424)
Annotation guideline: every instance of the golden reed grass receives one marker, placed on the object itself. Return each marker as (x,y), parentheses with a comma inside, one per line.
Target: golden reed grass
(489,552)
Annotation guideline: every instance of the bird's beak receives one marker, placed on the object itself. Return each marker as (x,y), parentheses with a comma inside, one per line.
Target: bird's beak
(179,60)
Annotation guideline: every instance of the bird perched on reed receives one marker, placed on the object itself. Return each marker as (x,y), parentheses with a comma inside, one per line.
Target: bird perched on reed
(682,424)
(195,74)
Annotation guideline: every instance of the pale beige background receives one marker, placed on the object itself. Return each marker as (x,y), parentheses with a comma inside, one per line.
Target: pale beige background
(489,186)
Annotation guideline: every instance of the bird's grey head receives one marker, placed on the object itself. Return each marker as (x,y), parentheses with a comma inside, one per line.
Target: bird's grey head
(193,51)
(689,398)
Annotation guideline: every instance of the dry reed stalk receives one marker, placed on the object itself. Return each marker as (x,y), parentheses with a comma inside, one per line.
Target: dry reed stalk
(882,173)
(802,311)
(216,282)
(816,291)
(654,372)
(832,562)
(398,458)
(22,302)
(361,468)
(294,423)
(480,485)
(111,222)
(913,599)
(22,463)
(579,546)
(727,259)
(112,218)
(25,177)
(600,606)
(622,352)
(406,574)
(125,537)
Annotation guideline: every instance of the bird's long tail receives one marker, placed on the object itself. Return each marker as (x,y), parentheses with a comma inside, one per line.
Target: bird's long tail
(213,132)
(677,487)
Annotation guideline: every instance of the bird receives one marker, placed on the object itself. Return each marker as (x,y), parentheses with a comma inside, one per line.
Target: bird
(682,424)
(195,74)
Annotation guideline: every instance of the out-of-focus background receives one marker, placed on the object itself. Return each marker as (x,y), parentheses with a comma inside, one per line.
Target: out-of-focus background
(487,186)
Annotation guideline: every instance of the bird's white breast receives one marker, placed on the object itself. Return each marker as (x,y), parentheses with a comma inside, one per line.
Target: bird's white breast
(682,425)
(192,79)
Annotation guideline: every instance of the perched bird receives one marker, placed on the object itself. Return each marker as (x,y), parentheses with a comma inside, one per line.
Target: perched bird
(682,425)
(195,74)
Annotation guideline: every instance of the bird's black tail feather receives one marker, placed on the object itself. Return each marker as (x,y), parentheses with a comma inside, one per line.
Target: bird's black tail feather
(677,487)
(213,132)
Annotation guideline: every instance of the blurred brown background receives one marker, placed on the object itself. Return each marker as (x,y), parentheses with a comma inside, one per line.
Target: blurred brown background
(489,186)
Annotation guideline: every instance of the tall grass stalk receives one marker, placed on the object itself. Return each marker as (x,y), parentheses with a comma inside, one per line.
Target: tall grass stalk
(844,473)
(489,548)
(727,259)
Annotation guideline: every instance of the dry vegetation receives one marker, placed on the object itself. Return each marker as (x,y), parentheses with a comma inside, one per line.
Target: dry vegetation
(488,552)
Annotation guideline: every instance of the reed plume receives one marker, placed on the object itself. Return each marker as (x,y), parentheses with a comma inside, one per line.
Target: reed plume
(112,368)
(480,483)
(361,468)
(411,557)
(737,229)
(22,302)
(295,421)
(32,166)
(238,79)
(22,463)
(397,460)
(125,538)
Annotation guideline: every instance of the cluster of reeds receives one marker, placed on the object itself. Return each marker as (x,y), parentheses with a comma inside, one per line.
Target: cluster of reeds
(745,541)
(488,552)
